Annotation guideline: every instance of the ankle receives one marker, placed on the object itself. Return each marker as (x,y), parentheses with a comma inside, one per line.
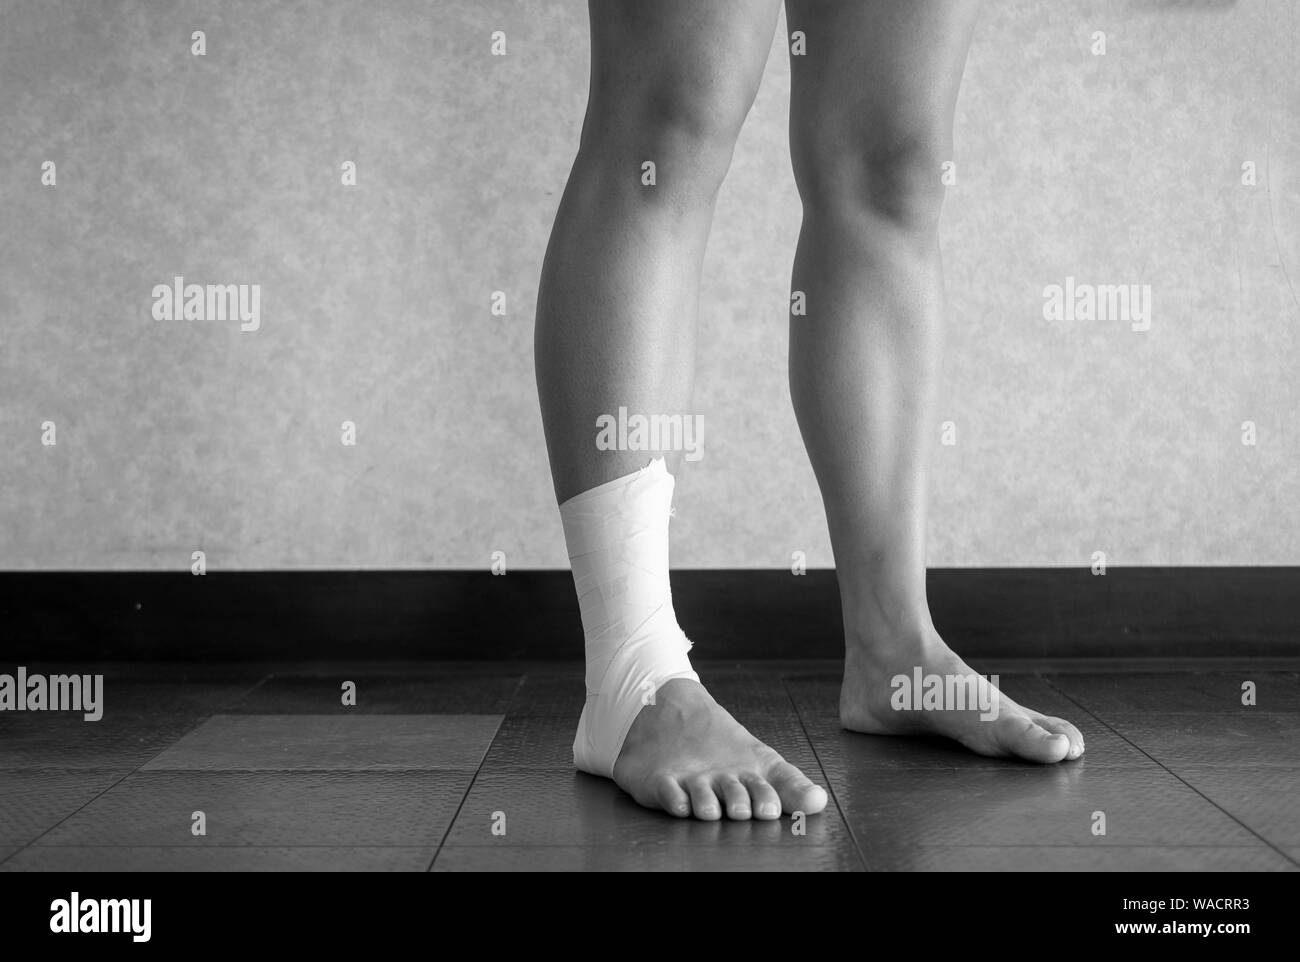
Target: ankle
(877,635)
(884,612)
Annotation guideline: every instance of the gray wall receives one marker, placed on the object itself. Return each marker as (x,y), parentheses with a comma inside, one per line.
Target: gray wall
(1072,437)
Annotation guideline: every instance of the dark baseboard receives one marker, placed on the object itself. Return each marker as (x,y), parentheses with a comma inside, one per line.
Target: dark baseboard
(729,614)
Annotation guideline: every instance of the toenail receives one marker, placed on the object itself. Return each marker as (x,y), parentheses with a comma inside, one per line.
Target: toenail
(769,810)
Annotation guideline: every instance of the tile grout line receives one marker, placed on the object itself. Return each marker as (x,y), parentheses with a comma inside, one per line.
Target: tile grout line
(474,778)
(94,798)
(1165,768)
(830,790)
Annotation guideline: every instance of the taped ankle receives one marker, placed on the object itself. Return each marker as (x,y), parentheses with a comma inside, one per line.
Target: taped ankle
(617,537)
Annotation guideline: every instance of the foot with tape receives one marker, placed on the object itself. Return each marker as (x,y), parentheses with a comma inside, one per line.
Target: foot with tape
(685,754)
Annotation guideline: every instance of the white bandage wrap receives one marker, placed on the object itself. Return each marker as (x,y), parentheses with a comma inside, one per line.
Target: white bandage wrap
(617,535)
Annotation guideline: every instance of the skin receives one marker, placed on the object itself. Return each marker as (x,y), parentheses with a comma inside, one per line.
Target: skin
(871,112)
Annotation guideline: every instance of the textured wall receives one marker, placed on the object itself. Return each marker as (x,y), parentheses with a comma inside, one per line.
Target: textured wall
(225,168)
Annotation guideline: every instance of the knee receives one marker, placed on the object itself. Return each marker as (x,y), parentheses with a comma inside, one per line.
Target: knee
(688,132)
(889,174)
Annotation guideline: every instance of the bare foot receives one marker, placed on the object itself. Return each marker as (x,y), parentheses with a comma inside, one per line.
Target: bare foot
(867,704)
(686,755)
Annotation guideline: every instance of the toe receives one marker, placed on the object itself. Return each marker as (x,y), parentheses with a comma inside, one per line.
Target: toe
(1062,727)
(734,796)
(704,803)
(672,797)
(796,790)
(765,803)
(1023,737)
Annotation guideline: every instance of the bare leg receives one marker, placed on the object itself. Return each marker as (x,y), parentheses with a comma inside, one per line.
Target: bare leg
(671,83)
(871,112)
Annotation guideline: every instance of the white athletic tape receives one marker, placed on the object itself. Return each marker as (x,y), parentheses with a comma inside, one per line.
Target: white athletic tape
(617,535)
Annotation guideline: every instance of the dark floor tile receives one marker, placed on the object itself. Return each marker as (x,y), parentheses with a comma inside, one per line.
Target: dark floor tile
(533,743)
(561,693)
(149,687)
(1129,664)
(573,809)
(328,670)
(140,718)
(545,742)
(817,696)
(360,743)
(1162,692)
(268,809)
(5,853)
(129,696)
(1044,805)
(1266,800)
(647,858)
(190,858)
(430,691)
(34,802)
(1078,858)
(1039,693)
(1247,740)
(67,743)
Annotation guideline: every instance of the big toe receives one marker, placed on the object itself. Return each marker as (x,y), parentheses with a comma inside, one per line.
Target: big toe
(1062,727)
(1025,738)
(796,790)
